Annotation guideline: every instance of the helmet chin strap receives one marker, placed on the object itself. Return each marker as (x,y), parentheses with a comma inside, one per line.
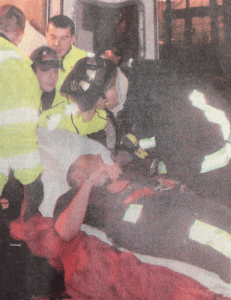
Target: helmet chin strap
(72,121)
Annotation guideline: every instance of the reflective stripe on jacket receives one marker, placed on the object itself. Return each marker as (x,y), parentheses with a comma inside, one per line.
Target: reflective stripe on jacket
(19,115)
(220,158)
(8,54)
(20,162)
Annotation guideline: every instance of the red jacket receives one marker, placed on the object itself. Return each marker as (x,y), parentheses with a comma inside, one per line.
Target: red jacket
(94,270)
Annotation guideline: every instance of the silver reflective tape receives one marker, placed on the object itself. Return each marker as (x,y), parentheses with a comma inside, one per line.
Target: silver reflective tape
(212,114)
(19,115)
(54,121)
(133,213)
(212,236)
(9,54)
(147,143)
(216,160)
(4,166)
(24,161)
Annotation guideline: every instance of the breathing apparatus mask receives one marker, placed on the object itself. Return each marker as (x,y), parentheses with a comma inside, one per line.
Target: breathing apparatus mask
(88,81)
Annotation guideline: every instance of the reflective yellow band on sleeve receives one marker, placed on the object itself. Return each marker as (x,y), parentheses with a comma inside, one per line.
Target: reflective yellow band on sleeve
(212,114)
(212,236)
(133,213)
(220,158)
(216,160)
(24,161)
(19,115)
(133,139)
(5,54)
(198,100)
(54,121)
(141,153)
(4,166)
(147,143)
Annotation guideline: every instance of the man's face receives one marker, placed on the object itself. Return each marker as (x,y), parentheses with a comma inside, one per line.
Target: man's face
(59,39)
(108,54)
(111,98)
(47,79)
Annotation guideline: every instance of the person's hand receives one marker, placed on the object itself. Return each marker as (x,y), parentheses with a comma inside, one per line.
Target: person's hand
(101,172)
(4,203)
(113,171)
(111,98)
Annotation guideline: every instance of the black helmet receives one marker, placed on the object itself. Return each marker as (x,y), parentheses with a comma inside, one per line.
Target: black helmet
(44,58)
(88,81)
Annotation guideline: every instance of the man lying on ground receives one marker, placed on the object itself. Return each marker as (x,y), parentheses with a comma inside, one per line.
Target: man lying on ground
(93,269)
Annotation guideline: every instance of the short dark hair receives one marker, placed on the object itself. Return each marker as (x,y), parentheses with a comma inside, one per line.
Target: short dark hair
(11,18)
(89,161)
(62,21)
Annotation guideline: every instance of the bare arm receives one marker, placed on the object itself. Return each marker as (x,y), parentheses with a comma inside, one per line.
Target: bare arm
(70,221)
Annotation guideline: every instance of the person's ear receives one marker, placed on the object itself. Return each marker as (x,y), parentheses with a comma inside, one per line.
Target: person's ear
(15,37)
(20,37)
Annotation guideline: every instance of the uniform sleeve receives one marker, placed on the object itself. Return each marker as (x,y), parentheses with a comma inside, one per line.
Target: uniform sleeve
(19,105)
(40,237)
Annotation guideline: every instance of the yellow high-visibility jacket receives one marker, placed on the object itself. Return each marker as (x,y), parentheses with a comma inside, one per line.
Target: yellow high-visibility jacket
(64,115)
(68,63)
(19,112)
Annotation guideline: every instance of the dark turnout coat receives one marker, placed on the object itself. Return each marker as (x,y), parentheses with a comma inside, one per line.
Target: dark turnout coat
(158,104)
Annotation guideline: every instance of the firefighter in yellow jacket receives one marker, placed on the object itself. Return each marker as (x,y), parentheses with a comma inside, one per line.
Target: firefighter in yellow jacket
(20,100)
(63,115)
